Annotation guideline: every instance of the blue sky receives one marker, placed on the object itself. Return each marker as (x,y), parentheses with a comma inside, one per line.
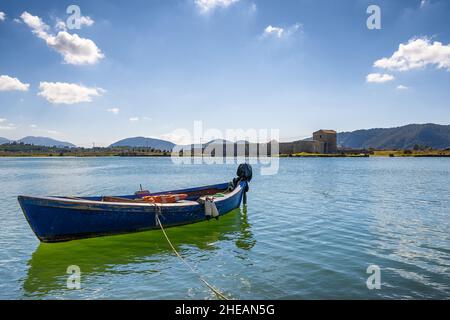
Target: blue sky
(150,67)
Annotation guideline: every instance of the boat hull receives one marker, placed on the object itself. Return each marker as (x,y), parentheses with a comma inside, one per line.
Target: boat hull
(56,219)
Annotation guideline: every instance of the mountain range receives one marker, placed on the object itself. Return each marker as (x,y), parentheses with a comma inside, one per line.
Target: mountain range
(404,137)
(40,141)
(3,140)
(144,142)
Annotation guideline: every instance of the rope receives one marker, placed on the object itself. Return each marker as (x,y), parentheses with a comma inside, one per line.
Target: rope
(217,292)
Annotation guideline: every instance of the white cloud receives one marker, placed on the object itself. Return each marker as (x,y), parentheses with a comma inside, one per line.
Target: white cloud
(276,31)
(379,78)
(208,5)
(47,131)
(9,126)
(113,110)
(84,21)
(417,53)
(35,128)
(134,119)
(279,32)
(179,137)
(67,93)
(60,25)
(36,24)
(8,83)
(402,87)
(424,3)
(2,120)
(51,131)
(2,16)
(74,49)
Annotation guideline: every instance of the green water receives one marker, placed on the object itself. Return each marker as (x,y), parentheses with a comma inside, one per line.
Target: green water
(308,232)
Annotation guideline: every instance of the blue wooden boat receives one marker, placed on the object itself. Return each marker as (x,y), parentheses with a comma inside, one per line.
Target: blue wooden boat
(58,218)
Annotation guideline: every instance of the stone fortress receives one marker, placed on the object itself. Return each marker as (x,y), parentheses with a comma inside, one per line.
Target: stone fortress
(323,141)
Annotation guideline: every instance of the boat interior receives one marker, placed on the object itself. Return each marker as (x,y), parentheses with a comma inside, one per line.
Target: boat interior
(186,195)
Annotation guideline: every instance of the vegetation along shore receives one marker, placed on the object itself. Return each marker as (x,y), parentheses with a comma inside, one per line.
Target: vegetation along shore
(28,150)
(413,140)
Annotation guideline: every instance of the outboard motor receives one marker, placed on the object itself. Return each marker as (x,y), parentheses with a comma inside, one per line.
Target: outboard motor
(244,173)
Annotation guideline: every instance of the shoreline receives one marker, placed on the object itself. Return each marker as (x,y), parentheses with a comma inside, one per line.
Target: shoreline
(279,156)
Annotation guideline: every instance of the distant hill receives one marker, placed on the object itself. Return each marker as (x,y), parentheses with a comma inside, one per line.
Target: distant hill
(4,140)
(405,137)
(217,141)
(145,142)
(44,141)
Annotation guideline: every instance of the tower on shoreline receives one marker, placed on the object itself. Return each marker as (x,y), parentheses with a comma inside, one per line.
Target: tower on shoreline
(328,138)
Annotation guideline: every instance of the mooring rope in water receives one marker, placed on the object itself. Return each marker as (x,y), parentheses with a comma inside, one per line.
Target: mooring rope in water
(217,292)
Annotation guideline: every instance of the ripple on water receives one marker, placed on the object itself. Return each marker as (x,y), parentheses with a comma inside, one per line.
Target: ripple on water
(309,232)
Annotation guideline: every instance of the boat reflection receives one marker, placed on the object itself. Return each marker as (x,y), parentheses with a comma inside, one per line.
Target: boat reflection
(245,239)
(48,264)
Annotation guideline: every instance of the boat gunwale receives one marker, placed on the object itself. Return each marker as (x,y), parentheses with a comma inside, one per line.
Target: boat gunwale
(53,201)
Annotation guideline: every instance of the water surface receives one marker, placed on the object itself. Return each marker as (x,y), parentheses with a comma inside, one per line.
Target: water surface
(309,232)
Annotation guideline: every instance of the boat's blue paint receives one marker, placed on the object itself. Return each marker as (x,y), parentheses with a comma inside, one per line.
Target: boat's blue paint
(60,219)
